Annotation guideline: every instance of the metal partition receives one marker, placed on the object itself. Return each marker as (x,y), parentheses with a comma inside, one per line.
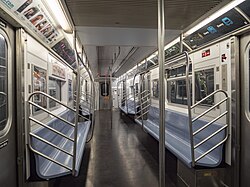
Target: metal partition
(144,100)
(91,97)
(183,60)
(30,103)
(121,94)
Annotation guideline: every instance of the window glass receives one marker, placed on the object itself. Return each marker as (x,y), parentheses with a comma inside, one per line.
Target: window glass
(104,89)
(155,88)
(204,85)
(70,93)
(39,84)
(136,88)
(3,83)
(177,92)
(176,85)
(54,91)
(178,72)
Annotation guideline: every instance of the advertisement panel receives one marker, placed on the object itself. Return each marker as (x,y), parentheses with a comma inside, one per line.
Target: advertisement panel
(33,14)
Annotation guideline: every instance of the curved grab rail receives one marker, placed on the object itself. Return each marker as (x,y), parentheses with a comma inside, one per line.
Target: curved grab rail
(29,118)
(52,98)
(93,91)
(117,86)
(4,101)
(226,126)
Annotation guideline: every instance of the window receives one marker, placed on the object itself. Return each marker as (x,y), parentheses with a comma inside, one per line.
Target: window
(136,88)
(70,93)
(204,85)
(155,88)
(3,83)
(104,89)
(177,92)
(39,84)
(176,85)
(54,91)
(178,72)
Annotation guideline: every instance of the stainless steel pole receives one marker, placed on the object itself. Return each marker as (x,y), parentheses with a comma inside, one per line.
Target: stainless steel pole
(111,97)
(161,57)
(77,109)
(181,42)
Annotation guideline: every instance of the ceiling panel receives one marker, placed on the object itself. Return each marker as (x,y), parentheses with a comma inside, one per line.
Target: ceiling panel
(137,13)
(105,25)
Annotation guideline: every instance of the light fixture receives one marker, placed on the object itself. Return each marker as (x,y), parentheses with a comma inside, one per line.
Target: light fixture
(70,38)
(60,14)
(215,15)
(175,41)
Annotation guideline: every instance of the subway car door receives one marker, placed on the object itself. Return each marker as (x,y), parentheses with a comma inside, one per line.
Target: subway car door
(245,110)
(104,98)
(8,160)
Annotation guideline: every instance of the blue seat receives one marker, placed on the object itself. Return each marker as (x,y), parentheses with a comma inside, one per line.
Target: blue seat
(47,169)
(85,109)
(178,138)
(128,107)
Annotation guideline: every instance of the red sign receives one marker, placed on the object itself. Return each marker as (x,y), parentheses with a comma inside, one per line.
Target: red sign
(206,53)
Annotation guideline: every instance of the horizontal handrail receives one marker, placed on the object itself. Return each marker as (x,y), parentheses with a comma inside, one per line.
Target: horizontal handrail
(146,96)
(143,92)
(175,61)
(50,97)
(45,110)
(51,144)
(144,102)
(48,158)
(50,128)
(142,115)
(208,110)
(226,112)
(210,136)
(213,148)
(143,108)
(205,98)
(211,122)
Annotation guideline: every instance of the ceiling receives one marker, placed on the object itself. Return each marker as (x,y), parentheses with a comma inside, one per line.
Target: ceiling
(105,25)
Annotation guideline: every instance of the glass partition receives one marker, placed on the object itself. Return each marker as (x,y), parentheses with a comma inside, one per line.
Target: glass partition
(204,85)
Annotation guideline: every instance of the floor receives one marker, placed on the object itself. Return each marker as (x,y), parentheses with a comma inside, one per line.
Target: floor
(119,156)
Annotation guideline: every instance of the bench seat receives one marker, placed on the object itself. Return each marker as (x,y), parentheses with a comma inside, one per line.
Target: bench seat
(178,138)
(128,107)
(46,169)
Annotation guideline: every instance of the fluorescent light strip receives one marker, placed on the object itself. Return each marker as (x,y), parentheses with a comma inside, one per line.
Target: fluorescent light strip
(175,41)
(217,14)
(60,15)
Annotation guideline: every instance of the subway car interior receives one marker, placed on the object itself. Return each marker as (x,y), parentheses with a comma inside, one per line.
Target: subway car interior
(124,93)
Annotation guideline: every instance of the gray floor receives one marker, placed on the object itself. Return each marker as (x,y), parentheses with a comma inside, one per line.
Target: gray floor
(123,156)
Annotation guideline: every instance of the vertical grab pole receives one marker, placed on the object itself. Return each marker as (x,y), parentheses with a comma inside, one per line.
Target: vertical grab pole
(111,96)
(161,37)
(77,108)
(134,92)
(189,102)
(127,94)
(181,42)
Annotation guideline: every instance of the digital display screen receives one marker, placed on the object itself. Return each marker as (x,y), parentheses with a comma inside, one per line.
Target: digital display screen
(64,50)
(174,50)
(224,24)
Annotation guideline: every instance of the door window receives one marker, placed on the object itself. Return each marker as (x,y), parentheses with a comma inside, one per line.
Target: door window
(204,85)
(39,84)
(55,87)
(3,82)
